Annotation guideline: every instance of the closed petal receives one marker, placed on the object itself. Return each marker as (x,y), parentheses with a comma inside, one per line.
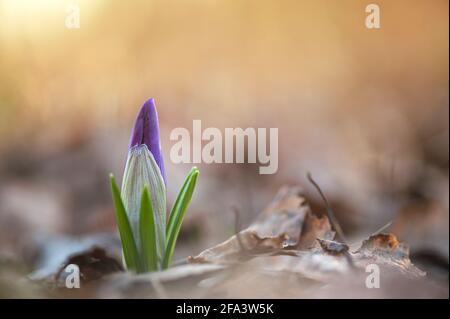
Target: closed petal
(142,169)
(146,131)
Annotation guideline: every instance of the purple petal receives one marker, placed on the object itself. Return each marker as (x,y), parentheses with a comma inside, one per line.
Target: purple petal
(146,131)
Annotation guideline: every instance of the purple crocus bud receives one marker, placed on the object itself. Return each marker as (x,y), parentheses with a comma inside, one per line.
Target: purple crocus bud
(146,131)
(145,166)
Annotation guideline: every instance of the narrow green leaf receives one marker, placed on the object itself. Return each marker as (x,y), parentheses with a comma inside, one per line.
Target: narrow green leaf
(147,232)
(129,248)
(177,215)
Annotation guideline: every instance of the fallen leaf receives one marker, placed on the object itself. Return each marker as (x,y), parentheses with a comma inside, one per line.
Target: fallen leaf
(332,247)
(385,249)
(286,223)
(93,264)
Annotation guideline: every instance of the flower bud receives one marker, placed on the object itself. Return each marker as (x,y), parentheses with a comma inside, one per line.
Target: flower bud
(145,166)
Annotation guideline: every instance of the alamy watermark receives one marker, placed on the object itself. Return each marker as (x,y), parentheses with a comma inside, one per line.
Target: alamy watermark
(373,17)
(72,20)
(262,146)
(73,276)
(373,279)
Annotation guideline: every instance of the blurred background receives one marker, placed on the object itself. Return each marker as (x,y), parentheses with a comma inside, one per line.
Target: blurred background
(364,110)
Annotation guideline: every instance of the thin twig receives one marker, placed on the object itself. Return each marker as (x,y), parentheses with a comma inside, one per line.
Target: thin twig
(334,222)
(379,230)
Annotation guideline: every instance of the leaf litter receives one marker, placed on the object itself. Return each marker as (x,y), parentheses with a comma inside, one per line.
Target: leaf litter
(288,251)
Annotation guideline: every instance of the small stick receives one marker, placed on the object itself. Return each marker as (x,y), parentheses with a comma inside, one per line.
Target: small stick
(379,230)
(333,220)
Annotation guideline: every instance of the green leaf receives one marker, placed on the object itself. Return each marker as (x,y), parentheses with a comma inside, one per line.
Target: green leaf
(177,215)
(130,251)
(147,232)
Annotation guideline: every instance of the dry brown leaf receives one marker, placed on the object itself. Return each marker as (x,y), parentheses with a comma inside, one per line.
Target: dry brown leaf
(332,247)
(95,255)
(284,215)
(385,249)
(241,248)
(286,223)
(314,227)
(93,264)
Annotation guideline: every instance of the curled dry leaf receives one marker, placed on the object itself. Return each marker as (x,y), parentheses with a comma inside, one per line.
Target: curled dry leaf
(314,227)
(286,224)
(284,215)
(95,255)
(333,247)
(385,249)
(242,247)
(93,264)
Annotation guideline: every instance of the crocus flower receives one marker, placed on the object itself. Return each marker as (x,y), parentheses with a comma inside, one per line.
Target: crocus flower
(145,166)
(148,242)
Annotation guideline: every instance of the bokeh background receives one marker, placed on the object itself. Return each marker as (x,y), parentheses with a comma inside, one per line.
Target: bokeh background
(364,110)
